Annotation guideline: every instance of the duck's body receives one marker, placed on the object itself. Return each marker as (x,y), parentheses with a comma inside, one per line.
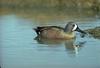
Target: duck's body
(56,32)
(52,32)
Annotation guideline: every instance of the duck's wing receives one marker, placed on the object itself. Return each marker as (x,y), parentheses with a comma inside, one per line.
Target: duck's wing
(39,29)
(58,27)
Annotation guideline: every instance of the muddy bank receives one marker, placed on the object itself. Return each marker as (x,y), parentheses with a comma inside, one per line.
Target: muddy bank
(95,32)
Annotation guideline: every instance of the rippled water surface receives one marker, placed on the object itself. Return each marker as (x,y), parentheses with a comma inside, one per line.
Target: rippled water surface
(20,49)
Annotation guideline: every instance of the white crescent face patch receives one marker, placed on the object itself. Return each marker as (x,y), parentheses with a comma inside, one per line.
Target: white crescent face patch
(75,27)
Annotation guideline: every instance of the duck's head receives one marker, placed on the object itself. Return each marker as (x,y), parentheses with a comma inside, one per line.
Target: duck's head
(71,27)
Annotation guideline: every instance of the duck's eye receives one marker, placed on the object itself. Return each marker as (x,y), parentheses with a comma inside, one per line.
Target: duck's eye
(73,25)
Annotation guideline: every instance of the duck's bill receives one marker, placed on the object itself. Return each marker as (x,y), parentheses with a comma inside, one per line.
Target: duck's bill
(81,31)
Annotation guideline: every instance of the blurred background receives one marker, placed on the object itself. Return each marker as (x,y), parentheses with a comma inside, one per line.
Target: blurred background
(54,8)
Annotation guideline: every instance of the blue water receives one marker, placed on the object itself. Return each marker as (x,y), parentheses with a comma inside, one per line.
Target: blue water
(19,49)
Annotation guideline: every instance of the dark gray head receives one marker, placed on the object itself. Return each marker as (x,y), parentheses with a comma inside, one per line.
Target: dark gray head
(70,27)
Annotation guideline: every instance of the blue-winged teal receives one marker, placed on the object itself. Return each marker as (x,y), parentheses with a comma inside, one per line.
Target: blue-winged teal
(56,32)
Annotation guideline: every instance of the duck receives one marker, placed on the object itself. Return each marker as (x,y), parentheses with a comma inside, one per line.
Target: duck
(57,32)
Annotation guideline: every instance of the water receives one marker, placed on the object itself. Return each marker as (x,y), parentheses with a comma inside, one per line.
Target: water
(19,49)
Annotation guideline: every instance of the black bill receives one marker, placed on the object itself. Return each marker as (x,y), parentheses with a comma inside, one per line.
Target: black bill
(81,31)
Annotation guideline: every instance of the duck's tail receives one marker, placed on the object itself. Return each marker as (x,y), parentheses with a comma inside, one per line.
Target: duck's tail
(36,30)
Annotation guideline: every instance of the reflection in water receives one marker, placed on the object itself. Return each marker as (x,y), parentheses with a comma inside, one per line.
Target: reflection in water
(69,45)
(20,51)
(73,48)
